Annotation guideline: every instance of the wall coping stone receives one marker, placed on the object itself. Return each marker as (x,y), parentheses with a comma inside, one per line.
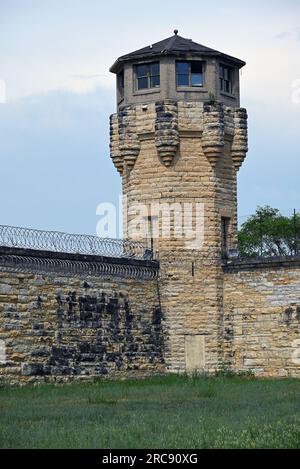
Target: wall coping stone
(257,263)
(49,261)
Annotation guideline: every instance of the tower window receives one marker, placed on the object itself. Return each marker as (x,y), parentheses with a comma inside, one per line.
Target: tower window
(225,222)
(147,76)
(120,80)
(226,79)
(152,230)
(189,73)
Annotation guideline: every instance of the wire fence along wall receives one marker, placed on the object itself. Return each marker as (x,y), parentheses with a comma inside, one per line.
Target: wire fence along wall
(27,238)
(267,233)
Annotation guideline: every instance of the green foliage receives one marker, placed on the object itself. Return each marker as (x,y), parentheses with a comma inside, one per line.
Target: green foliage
(225,372)
(160,412)
(268,233)
(211,98)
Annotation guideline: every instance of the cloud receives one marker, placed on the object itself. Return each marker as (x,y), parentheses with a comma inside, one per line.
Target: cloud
(42,53)
(58,111)
(85,83)
(283,35)
(55,164)
(294,34)
(54,156)
(87,77)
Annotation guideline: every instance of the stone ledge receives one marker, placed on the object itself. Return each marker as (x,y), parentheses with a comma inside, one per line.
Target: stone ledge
(233,265)
(18,259)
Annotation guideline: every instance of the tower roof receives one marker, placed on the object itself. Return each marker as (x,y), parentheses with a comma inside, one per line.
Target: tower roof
(174,45)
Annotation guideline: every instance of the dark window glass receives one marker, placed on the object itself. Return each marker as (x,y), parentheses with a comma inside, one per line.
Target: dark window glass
(155,82)
(183,80)
(143,83)
(183,68)
(189,73)
(196,74)
(141,70)
(121,83)
(196,79)
(154,69)
(226,79)
(147,76)
(196,67)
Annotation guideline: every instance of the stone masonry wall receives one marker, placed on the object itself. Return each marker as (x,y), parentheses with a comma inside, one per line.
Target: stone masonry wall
(189,153)
(57,326)
(262,317)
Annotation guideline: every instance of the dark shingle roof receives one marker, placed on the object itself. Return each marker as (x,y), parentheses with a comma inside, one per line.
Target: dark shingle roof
(174,45)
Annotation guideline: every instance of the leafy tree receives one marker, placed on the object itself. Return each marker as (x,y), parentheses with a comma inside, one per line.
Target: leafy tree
(268,233)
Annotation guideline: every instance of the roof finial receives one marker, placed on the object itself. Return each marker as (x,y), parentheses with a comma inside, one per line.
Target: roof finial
(175,32)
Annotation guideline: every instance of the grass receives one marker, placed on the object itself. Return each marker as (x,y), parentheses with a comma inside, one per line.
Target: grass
(162,412)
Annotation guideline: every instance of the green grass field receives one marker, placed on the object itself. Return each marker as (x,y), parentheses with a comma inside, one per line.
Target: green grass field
(163,412)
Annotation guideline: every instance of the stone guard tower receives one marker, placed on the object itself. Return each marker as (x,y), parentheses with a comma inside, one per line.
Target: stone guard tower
(178,139)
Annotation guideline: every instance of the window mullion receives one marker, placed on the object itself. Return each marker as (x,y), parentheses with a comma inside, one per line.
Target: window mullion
(150,76)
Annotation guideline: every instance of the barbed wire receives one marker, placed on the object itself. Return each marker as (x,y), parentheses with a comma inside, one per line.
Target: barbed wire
(66,267)
(27,238)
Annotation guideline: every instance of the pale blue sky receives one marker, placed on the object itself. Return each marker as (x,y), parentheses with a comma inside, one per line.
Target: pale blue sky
(55,55)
